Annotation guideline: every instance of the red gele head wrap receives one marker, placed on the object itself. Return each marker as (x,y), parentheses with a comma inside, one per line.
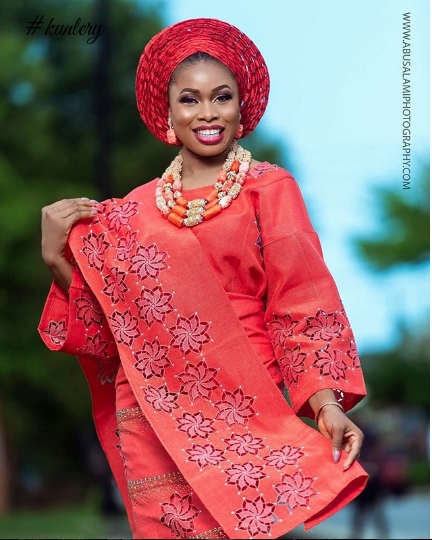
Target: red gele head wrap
(167,49)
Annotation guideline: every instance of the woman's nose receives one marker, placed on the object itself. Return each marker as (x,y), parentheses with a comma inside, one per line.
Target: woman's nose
(208,111)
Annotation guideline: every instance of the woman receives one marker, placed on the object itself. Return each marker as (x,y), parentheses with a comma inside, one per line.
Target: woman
(190,304)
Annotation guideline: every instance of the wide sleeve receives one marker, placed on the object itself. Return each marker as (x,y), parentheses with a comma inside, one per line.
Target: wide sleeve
(74,323)
(309,329)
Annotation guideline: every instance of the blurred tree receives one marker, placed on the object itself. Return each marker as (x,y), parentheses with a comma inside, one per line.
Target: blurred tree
(69,127)
(401,374)
(404,235)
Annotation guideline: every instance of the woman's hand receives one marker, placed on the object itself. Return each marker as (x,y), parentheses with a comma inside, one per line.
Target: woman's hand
(57,221)
(344,434)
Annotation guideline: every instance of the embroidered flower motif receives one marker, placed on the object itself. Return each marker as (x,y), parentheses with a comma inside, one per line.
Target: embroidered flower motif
(88,309)
(107,370)
(256,516)
(161,399)
(195,425)
(154,305)
(120,215)
(281,329)
(205,455)
(244,444)
(115,286)
(292,364)
(235,407)
(95,346)
(189,334)
(287,455)
(152,359)
(353,354)
(323,326)
(178,515)
(330,362)
(198,380)
(148,262)
(125,245)
(124,326)
(56,332)
(94,249)
(295,490)
(244,475)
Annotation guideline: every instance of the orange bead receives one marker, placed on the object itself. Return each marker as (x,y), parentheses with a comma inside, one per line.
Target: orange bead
(212,195)
(179,210)
(175,219)
(182,201)
(235,166)
(211,212)
(169,179)
(211,204)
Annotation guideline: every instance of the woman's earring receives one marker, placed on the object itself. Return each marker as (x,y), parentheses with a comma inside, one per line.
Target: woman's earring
(171,136)
(239,131)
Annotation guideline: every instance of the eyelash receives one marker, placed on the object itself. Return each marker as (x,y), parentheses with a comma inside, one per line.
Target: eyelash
(191,99)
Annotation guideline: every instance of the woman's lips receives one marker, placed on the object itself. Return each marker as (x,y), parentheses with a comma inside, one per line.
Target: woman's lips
(209,136)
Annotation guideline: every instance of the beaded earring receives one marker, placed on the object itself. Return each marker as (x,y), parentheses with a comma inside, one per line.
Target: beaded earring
(239,131)
(171,136)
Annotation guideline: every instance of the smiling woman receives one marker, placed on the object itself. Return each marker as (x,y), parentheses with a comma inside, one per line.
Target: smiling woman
(192,302)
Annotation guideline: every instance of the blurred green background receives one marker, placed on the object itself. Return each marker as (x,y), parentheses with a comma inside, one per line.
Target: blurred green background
(69,127)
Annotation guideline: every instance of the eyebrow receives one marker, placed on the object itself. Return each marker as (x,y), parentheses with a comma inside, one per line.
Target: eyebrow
(195,91)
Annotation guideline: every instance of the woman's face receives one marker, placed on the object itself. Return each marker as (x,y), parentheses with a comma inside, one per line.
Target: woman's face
(204,106)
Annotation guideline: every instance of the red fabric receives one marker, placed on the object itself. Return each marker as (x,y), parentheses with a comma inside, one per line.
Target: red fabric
(199,317)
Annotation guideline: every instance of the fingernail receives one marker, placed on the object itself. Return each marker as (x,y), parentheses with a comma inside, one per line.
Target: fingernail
(85,199)
(94,210)
(336,455)
(93,201)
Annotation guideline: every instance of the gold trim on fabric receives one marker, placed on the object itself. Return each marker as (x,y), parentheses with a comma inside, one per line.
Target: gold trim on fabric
(129,418)
(217,532)
(157,488)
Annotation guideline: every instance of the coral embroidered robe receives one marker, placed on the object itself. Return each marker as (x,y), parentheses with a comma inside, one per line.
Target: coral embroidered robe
(206,323)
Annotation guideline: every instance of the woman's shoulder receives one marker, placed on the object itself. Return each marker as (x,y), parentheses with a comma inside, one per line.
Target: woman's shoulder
(264,173)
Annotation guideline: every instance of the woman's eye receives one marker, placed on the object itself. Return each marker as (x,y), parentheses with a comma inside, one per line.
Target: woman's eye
(224,97)
(187,99)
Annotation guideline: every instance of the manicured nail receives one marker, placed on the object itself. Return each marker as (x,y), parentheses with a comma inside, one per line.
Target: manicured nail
(85,199)
(336,455)
(93,201)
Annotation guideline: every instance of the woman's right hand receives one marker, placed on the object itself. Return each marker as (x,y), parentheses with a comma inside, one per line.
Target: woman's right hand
(57,221)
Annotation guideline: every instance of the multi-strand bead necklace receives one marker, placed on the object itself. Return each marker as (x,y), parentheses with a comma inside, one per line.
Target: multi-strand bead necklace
(180,211)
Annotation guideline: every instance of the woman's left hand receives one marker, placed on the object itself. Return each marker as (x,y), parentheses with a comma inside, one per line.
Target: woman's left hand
(344,434)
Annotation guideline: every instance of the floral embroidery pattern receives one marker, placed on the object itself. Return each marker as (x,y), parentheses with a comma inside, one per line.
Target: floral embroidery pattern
(244,475)
(107,370)
(95,346)
(57,332)
(287,455)
(281,329)
(88,310)
(120,215)
(152,359)
(148,262)
(115,286)
(154,305)
(244,444)
(178,515)
(189,334)
(198,381)
(330,362)
(256,516)
(205,455)
(235,407)
(292,364)
(161,399)
(94,249)
(196,425)
(295,490)
(125,245)
(323,326)
(125,327)
(353,354)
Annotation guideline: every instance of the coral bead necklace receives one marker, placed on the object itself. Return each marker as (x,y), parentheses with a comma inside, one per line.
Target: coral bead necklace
(229,182)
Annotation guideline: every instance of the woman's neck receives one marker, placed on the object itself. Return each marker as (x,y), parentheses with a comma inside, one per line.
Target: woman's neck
(200,171)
